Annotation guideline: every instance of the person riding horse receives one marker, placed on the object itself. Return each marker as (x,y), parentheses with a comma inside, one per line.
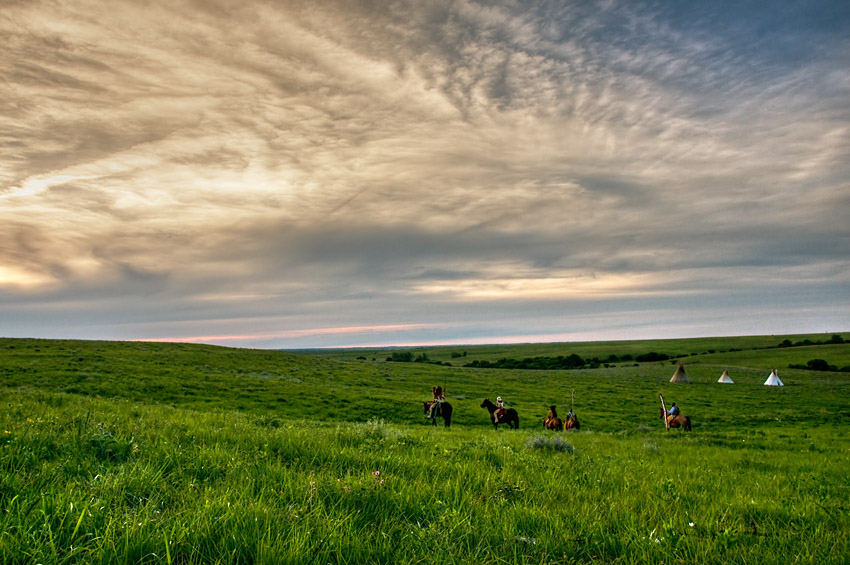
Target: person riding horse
(509,416)
(439,398)
(673,411)
(552,421)
(500,405)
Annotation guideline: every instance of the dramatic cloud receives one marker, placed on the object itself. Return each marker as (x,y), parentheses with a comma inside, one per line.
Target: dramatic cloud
(299,174)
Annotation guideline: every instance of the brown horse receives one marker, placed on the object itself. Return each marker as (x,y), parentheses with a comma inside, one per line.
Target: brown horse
(571,423)
(678,421)
(511,418)
(441,409)
(551,421)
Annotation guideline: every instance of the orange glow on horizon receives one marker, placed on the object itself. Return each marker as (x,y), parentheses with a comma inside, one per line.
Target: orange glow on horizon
(288,334)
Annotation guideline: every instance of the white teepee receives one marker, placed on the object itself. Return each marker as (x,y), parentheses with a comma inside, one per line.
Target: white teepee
(773,379)
(725,378)
(679,376)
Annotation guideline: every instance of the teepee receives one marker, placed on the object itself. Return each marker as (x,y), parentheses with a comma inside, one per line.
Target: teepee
(679,376)
(725,378)
(773,379)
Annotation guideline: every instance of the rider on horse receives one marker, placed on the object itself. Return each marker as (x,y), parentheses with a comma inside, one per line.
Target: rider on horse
(439,398)
(673,411)
(500,408)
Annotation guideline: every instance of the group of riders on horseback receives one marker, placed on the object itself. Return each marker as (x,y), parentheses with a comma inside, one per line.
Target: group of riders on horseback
(553,422)
(499,414)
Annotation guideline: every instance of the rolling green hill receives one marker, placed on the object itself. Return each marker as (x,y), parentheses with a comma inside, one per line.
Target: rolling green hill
(309,387)
(459,355)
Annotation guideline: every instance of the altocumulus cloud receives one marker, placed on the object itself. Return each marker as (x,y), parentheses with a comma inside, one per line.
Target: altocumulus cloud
(292,174)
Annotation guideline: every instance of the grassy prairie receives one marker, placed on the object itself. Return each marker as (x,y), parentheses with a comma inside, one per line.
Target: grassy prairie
(165,453)
(459,355)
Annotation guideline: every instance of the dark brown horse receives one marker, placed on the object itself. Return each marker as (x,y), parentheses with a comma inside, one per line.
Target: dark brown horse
(441,410)
(510,417)
(678,421)
(571,423)
(551,421)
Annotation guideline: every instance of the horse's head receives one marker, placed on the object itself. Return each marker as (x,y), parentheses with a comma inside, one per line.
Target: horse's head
(426,406)
(486,403)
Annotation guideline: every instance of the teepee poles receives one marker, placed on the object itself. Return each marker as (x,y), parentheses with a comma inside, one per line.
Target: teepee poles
(664,413)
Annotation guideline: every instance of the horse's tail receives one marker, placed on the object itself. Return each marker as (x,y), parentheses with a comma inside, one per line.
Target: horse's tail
(687,423)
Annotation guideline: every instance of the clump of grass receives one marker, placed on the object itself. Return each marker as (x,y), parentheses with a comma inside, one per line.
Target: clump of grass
(652,446)
(555,443)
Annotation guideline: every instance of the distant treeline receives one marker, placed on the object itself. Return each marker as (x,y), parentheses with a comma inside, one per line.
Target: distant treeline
(407,357)
(560,362)
(820,365)
(572,361)
(834,340)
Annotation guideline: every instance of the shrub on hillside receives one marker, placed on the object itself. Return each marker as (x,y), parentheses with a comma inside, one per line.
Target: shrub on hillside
(556,443)
(820,365)
(652,356)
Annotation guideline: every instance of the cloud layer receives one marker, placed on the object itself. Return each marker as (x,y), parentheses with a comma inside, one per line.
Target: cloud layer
(300,174)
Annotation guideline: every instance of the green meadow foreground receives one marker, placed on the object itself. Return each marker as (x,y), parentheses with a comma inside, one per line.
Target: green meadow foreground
(168,453)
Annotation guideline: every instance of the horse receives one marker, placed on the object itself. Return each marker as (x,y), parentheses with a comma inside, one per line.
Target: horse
(676,421)
(551,421)
(511,418)
(571,423)
(443,409)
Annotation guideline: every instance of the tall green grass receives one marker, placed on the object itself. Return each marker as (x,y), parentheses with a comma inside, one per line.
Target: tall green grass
(345,470)
(96,481)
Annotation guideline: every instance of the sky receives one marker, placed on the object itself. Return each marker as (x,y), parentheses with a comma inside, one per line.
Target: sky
(304,174)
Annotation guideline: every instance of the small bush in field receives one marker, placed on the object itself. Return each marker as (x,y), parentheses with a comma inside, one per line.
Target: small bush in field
(556,443)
